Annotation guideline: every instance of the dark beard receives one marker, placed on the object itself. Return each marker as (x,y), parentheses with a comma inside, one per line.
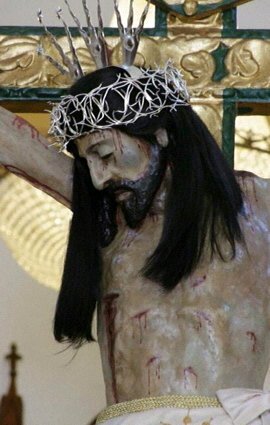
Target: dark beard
(142,193)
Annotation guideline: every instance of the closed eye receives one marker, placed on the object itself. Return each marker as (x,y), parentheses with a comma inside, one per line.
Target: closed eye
(107,156)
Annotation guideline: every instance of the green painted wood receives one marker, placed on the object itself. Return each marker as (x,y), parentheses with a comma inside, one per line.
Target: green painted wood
(231,99)
(254,95)
(31,94)
(219,56)
(228,130)
(229,19)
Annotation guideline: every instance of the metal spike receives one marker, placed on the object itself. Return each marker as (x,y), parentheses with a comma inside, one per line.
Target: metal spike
(142,20)
(96,45)
(76,64)
(40,51)
(40,16)
(88,19)
(130,15)
(103,49)
(76,20)
(119,19)
(80,28)
(66,61)
(100,20)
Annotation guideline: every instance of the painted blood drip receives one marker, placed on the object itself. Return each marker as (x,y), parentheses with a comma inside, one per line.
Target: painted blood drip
(21,173)
(20,123)
(202,317)
(254,191)
(190,378)
(145,148)
(141,320)
(251,205)
(253,339)
(119,143)
(244,177)
(153,217)
(198,281)
(119,219)
(153,366)
(198,325)
(110,310)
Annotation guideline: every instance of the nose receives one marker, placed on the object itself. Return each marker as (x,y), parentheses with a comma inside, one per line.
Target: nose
(99,172)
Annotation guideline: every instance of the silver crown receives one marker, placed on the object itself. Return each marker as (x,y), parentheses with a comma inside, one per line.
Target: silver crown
(95,40)
(170,89)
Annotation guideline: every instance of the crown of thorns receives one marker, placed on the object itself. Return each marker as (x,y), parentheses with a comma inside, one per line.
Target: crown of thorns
(147,95)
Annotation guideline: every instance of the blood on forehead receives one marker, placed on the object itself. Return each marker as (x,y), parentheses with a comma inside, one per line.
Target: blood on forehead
(88,142)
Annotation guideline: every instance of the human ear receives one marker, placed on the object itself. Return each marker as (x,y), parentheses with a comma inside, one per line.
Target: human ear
(162,137)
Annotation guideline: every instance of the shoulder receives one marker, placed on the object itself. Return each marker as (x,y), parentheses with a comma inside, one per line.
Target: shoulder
(256,191)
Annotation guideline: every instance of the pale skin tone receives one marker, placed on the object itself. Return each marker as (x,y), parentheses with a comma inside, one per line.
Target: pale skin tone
(29,155)
(112,155)
(212,331)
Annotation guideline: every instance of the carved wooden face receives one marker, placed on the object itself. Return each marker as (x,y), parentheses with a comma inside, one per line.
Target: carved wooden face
(126,166)
(113,156)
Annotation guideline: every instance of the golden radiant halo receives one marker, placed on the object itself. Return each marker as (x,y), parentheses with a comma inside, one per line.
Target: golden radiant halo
(35,228)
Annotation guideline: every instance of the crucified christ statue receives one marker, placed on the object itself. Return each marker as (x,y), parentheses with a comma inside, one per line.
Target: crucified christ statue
(171,245)
(166,240)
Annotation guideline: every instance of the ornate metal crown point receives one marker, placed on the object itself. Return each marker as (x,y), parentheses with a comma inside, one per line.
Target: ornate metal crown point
(130,36)
(94,37)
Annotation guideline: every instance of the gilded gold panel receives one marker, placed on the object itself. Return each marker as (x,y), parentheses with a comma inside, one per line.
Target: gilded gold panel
(209,24)
(247,61)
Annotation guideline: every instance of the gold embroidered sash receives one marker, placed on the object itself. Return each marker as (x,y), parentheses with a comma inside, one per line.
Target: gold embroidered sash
(144,404)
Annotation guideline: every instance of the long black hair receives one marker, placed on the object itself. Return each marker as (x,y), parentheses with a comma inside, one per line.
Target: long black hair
(202,207)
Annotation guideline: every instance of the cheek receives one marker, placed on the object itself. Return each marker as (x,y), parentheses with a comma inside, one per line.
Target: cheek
(133,159)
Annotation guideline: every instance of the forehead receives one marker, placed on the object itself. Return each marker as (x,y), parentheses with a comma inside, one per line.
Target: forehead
(96,137)
(112,136)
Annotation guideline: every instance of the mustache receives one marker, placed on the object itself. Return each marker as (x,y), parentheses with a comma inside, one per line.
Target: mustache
(126,185)
(157,161)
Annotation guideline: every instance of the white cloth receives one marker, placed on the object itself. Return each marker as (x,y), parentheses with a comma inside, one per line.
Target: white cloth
(245,406)
(233,414)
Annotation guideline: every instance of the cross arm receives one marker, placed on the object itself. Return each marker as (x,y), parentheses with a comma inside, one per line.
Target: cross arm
(26,153)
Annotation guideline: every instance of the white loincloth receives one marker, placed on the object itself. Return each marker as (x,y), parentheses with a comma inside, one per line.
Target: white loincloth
(237,407)
(232,406)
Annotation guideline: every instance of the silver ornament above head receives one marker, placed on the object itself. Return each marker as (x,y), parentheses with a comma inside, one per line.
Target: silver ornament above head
(170,87)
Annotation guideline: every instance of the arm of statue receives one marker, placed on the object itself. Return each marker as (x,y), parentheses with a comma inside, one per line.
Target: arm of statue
(26,153)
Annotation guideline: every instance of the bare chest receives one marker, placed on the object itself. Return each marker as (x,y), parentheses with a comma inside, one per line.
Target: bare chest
(210,332)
